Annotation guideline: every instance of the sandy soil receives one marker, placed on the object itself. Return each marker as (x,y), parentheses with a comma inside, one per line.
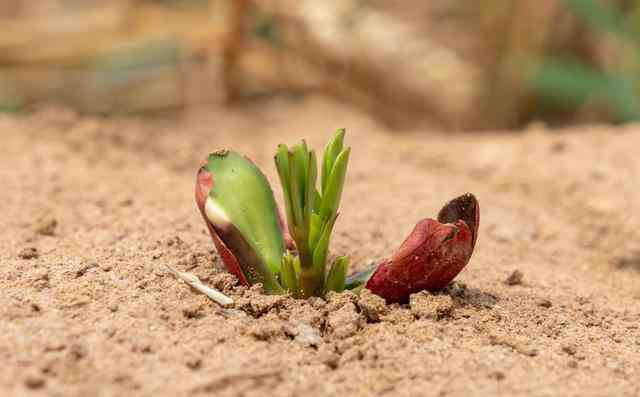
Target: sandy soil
(93,209)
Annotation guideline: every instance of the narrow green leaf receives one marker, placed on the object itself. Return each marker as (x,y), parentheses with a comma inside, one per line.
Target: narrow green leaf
(315,228)
(288,274)
(301,159)
(600,15)
(331,198)
(568,83)
(282,165)
(296,192)
(317,202)
(296,266)
(623,100)
(322,246)
(312,175)
(359,279)
(336,280)
(331,151)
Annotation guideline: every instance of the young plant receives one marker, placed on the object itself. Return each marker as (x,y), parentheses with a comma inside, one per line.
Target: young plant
(312,213)
(238,206)
(237,203)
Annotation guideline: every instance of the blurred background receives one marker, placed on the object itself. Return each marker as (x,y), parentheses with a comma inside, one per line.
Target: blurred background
(447,64)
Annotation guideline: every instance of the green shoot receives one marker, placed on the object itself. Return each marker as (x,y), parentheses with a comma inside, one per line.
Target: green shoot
(311,214)
(337,278)
(288,277)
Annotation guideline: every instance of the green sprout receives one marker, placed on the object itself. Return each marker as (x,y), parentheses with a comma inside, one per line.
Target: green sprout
(241,213)
(239,209)
(311,215)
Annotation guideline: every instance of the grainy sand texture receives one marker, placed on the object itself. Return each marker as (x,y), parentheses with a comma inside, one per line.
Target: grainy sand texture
(92,210)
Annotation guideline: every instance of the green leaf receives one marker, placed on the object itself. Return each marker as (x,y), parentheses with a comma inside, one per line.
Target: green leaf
(311,214)
(322,246)
(301,162)
(305,150)
(296,186)
(288,275)
(282,165)
(624,101)
(331,197)
(605,18)
(359,279)
(315,228)
(331,152)
(242,210)
(296,265)
(336,280)
(569,83)
(311,192)
(317,202)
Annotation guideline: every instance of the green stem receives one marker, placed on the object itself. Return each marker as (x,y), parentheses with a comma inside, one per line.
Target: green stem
(310,283)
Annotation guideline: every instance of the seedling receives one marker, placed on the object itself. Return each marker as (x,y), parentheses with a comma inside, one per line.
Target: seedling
(311,215)
(238,206)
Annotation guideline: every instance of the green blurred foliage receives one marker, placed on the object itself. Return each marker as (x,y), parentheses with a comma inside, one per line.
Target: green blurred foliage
(568,83)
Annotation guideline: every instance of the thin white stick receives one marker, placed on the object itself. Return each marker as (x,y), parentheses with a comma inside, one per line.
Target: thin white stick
(196,284)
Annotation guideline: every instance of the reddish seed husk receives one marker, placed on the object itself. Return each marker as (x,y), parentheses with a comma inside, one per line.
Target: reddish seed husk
(432,255)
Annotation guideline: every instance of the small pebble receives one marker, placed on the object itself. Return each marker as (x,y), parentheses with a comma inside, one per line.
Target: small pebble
(546,303)
(34,382)
(46,226)
(126,202)
(77,352)
(329,357)
(29,253)
(570,349)
(194,311)
(303,334)
(515,278)
(84,268)
(194,363)
(371,305)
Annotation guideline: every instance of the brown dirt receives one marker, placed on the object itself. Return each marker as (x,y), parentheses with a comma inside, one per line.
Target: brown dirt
(93,209)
